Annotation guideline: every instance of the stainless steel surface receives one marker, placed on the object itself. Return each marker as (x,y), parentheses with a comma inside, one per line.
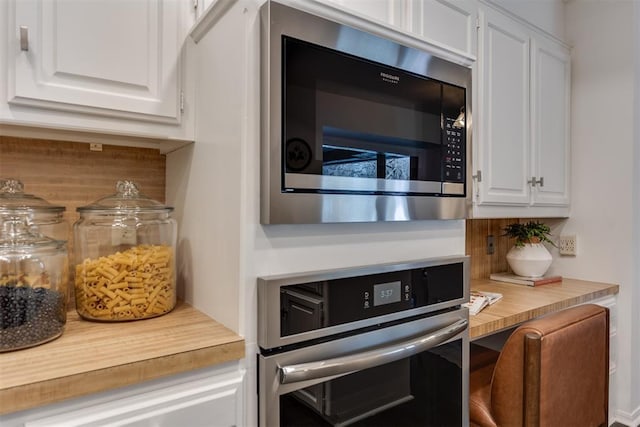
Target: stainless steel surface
(280,207)
(452,188)
(270,387)
(369,359)
(269,297)
(24,38)
(300,181)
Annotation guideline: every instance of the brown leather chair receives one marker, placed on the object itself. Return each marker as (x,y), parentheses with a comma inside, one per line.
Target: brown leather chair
(552,371)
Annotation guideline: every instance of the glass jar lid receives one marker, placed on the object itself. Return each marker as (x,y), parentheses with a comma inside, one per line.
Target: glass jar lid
(16,235)
(14,199)
(126,199)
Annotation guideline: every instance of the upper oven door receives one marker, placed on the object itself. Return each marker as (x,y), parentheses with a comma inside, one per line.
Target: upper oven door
(352,124)
(408,374)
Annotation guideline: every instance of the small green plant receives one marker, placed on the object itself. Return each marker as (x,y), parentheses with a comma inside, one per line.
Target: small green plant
(530,232)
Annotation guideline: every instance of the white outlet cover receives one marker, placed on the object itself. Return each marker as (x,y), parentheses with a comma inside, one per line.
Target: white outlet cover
(567,245)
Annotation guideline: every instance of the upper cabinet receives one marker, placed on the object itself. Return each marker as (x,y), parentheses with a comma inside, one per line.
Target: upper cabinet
(449,24)
(390,12)
(520,122)
(550,120)
(97,65)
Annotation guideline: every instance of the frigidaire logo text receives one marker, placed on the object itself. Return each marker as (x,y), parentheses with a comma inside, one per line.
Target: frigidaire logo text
(389,77)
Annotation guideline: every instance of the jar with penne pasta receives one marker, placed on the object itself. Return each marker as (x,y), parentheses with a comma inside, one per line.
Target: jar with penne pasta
(125,257)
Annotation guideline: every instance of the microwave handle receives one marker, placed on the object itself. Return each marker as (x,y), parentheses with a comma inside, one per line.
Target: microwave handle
(369,359)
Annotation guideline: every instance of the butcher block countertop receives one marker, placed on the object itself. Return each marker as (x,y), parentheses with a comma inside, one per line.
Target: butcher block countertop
(91,357)
(521,303)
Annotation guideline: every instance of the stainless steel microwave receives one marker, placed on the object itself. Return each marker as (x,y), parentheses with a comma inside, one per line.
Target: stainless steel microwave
(356,127)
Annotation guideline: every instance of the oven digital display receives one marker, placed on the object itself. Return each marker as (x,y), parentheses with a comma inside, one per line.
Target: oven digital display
(386,293)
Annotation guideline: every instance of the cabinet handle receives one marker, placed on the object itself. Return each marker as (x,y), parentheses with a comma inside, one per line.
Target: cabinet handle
(24,38)
(533,181)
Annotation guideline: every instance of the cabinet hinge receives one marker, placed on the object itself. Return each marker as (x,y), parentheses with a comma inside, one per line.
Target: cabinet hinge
(195,4)
(477,176)
(181,101)
(477,23)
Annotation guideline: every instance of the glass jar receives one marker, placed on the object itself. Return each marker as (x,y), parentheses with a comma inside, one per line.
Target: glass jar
(33,285)
(44,218)
(125,246)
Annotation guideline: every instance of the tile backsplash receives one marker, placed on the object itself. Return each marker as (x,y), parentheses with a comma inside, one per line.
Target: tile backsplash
(71,175)
(483,264)
(477,230)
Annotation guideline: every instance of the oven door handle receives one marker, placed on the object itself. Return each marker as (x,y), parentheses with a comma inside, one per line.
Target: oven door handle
(369,359)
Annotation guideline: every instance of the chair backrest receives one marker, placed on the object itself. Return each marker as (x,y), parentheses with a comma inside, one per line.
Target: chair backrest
(554,371)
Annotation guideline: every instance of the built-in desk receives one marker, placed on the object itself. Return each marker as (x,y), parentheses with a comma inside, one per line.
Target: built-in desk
(521,303)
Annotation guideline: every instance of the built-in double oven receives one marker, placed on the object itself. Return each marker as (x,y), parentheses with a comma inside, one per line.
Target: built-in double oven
(383,345)
(358,127)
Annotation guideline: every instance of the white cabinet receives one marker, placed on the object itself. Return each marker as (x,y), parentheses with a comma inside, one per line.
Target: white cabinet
(389,12)
(210,398)
(521,121)
(451,23)
(502,121)
(448,24)
(97,65)
(550,109)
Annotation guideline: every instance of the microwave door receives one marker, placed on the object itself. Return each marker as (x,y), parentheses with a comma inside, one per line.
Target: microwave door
(354,126)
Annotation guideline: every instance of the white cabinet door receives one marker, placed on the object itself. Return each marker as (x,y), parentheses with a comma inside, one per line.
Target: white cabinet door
(388,11)
(209,400)
(451,23)
(110,58)
(550,101)
(502,121)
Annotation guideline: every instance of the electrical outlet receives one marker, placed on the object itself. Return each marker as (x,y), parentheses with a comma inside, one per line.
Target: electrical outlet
(568,245)
(491,248)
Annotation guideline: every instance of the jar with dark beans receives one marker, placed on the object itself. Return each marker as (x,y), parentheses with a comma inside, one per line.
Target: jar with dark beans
(29,316)
(33,284)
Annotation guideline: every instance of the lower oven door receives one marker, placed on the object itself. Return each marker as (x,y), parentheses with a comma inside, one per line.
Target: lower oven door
(409,374)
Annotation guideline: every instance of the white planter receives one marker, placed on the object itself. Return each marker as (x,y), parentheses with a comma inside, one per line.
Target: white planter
(531,260)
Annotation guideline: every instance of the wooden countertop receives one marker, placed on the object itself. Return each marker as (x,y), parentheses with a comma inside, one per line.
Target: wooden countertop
(92,357)
(521,303)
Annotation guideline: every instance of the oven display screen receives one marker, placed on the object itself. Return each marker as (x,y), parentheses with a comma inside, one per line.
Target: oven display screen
(386,293)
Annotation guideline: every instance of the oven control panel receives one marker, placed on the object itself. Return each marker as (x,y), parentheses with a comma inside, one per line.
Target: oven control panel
(322,304)
(386,293)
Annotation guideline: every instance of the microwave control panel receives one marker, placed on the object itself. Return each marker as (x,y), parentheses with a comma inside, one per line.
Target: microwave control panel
(454,152)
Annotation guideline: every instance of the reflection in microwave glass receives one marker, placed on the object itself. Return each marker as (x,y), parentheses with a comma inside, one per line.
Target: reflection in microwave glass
(357,163)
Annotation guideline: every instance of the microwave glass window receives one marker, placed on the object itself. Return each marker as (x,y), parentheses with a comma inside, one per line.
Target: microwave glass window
(348,117)
(359,163)
(422,390)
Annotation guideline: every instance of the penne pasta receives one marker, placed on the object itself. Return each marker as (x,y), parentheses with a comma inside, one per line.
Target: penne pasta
(133,284)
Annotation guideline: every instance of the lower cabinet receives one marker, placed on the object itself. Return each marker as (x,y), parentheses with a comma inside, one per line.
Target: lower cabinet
(211,397)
